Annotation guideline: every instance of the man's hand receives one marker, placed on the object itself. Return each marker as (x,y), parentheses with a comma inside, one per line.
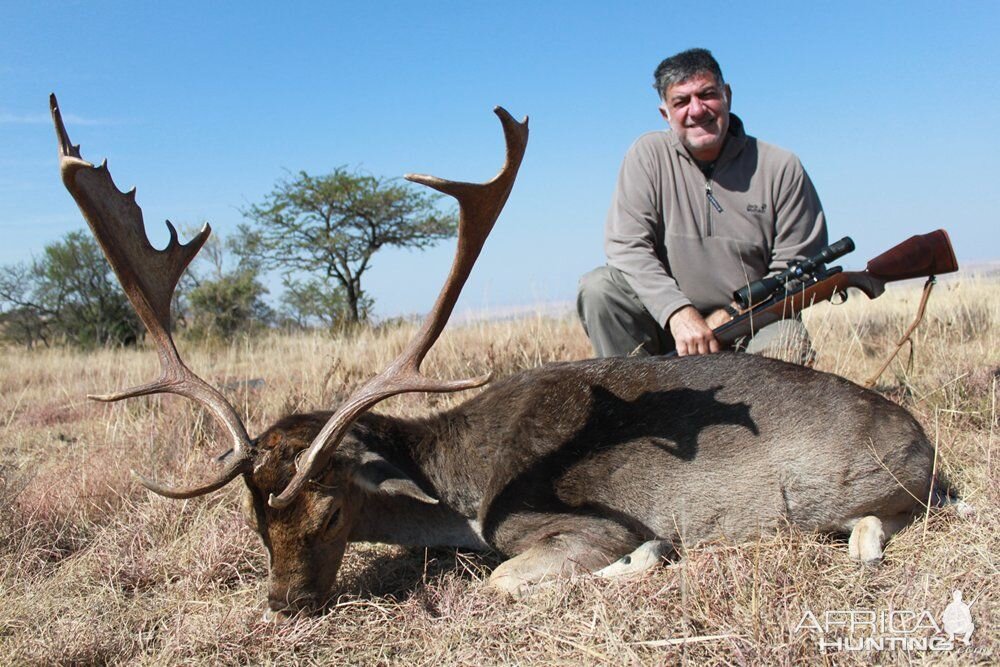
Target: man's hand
(717,318)
(692,334)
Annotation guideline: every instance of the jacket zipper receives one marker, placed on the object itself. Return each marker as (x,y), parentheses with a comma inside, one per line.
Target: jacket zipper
(714,203)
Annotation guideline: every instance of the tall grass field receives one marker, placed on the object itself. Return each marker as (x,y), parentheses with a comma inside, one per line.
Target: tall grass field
(96,570)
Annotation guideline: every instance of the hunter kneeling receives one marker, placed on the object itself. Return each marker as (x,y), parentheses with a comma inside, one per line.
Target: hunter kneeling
(699,211)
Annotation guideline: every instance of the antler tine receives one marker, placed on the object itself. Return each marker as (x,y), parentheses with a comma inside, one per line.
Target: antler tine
(149,277)
(479,207)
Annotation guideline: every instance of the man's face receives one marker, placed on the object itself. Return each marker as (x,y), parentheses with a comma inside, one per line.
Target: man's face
(698,111)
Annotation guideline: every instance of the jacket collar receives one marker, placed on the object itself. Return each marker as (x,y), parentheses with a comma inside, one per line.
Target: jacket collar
(736,139)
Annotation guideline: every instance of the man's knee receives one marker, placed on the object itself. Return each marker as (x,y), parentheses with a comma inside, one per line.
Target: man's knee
(787,340)
(612,315)
(596,290)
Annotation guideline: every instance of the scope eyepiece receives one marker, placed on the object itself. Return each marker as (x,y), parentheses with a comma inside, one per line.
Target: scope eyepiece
(834,251)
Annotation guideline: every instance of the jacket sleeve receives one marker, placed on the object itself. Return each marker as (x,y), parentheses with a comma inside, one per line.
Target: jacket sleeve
(800,226)
(633,233)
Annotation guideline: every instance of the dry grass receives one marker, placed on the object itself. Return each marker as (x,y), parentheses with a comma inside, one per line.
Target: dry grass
(94,570)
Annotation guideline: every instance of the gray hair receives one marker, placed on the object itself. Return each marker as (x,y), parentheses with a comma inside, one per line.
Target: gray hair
(681,67)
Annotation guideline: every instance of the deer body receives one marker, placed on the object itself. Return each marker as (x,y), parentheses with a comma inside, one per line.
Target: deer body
(585,461)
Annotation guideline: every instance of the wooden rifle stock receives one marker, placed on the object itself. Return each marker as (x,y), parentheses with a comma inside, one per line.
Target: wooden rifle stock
(922,255)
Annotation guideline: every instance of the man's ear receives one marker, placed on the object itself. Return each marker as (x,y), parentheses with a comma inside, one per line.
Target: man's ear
(729,98)
(376,475)
(663,112)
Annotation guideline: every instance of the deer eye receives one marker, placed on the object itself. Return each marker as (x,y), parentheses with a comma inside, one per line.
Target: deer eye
(332,520)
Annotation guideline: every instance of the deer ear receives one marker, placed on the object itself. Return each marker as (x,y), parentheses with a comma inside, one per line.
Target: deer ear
(376,475)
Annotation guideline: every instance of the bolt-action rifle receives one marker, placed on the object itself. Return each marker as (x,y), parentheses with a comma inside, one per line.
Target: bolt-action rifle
(809,281)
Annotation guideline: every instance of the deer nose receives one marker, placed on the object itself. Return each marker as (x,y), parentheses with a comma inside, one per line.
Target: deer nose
(285,604)
(277,603)
(275,616)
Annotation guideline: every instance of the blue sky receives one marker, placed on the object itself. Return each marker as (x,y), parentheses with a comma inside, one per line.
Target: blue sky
(892,107)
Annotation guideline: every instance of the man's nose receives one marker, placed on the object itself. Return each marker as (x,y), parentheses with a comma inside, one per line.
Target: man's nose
(696,108)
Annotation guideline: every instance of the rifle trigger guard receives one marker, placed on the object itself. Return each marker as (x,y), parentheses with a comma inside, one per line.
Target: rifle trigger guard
(839,297)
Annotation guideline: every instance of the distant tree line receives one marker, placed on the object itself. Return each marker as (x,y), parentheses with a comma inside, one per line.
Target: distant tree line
(319,232)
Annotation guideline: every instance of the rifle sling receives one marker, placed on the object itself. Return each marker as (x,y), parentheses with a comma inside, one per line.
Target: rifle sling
(921,310)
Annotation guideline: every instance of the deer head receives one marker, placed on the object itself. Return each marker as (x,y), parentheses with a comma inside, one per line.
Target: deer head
(306,477)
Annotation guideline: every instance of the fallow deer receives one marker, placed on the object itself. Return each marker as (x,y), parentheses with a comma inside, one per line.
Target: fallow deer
(587,466)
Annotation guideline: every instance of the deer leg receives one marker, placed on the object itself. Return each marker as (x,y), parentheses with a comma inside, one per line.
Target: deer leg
(525,572)
(562,547)
(869,534)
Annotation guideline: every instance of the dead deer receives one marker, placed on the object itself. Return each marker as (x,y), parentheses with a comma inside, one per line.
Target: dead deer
(589,466)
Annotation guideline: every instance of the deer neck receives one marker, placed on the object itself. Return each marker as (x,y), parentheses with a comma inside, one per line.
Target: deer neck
(427,451)
(404,521)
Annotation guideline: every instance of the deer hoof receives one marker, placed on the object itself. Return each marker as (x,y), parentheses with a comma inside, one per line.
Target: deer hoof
(644,557)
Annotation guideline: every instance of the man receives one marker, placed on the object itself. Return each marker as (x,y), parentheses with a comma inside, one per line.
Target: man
(699,211)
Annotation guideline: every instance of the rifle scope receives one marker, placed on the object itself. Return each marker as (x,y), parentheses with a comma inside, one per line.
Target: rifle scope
(762,289)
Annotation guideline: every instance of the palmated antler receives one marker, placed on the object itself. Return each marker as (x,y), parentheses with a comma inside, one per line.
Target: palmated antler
(149,277)
(479,207)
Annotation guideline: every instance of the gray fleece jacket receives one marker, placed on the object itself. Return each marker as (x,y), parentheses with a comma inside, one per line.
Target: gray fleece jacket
(683,239)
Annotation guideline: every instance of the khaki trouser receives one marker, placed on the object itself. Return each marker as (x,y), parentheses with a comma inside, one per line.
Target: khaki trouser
(619,325)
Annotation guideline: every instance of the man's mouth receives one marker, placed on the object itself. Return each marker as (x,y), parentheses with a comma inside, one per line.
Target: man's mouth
(705,124)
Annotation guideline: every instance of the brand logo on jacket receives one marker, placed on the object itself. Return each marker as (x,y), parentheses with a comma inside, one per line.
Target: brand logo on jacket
(756,208)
